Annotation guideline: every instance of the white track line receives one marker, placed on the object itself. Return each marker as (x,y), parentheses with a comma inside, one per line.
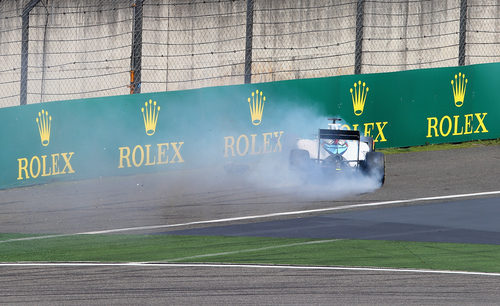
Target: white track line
(272,215)
(253,250)
(249,266)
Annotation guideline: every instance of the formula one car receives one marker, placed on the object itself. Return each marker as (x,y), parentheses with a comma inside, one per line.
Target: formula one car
(338,151)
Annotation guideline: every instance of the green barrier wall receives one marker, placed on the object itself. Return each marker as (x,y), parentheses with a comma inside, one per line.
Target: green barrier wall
(179,130)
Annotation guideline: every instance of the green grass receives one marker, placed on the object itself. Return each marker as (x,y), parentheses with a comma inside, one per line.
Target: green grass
(364,253)
(445,146)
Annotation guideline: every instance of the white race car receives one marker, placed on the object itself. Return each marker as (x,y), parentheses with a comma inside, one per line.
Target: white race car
(337,151)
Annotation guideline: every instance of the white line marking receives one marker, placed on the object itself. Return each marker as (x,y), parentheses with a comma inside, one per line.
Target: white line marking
(179,265)
(271,215)
(253,250)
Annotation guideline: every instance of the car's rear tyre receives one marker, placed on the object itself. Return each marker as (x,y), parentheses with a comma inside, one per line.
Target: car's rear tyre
(374,166)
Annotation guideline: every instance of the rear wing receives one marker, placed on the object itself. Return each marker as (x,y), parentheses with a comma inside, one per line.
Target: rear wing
(338,134)
(346,135)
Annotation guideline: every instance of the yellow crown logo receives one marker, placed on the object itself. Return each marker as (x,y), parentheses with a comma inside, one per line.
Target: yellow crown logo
(359,97)
(256,104)
(44,121)
(150,115)
(459,86)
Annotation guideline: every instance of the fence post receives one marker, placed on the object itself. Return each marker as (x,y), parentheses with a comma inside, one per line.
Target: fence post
(248,45)
(135,58)
(358,53)
(463,30)
(24,50)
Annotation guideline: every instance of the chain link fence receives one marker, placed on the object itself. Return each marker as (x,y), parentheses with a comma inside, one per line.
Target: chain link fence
(410,34)
(68,50)
(74,49)
(190,44)
(303,39)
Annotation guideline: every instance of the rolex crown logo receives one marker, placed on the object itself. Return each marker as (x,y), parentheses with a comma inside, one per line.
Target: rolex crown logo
(256,104)
(44,122)
(150,115)
(358,96)
(459,86)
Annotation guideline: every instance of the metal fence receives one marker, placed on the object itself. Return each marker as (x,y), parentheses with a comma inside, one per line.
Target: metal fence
(58,50)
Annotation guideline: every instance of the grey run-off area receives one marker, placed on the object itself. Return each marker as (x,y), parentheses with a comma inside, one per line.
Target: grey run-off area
(157,199)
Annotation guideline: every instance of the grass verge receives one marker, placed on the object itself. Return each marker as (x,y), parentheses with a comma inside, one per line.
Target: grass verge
(255,250)
(445,146)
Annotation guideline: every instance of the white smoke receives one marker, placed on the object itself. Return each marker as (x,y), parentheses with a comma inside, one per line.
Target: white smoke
(273,172)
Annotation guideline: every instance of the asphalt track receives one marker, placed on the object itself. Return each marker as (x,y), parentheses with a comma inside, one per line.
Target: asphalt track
(135,201)
(466,221)
(157,199)
(130,285)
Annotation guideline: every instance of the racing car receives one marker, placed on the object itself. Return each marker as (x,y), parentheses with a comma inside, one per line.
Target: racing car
(336,151)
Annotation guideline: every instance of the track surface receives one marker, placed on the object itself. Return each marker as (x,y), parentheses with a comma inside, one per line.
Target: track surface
(469,221)
(118,202)
(158,199)
(233,286)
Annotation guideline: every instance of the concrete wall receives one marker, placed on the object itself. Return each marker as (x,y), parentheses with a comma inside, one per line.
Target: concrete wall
(303,39)
(193,44)
(77,49)
(10,52)
(410,35)
(483,31)
(81,49)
